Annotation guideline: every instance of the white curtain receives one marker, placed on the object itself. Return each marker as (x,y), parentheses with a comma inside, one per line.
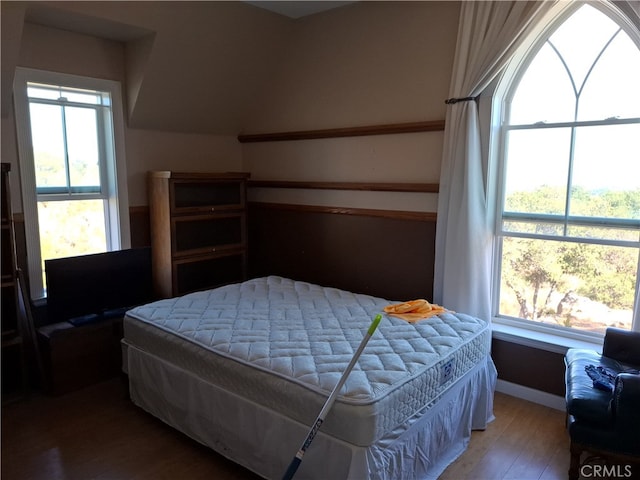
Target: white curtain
(489,34)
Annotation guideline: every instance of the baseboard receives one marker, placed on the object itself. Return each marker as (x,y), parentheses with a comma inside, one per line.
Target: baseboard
(532,395)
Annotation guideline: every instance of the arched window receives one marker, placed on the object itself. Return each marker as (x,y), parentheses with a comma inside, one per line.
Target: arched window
(569,209)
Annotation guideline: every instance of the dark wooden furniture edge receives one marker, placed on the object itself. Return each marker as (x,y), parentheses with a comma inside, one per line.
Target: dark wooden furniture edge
(365,186)
(198,175)
(400,214)
(395,214)
(389,129)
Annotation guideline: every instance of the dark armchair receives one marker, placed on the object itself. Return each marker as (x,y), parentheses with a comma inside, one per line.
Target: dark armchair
(603,423)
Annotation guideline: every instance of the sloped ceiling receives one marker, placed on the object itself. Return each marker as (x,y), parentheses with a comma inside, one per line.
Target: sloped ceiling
(195,67)
(204,69)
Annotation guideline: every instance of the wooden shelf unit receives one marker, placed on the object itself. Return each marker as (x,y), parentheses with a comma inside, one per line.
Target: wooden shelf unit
(14,370)
(198,224)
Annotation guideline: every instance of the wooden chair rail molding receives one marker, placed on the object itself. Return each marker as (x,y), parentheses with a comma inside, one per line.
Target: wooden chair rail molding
(389,129)
(363,186)
(395,214)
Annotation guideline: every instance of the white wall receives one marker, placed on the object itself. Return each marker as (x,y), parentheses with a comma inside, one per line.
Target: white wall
(155,150)
(196,87)
(365,64)
(54,49)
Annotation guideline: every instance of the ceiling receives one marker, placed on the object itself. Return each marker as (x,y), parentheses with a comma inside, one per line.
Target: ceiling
(297,9)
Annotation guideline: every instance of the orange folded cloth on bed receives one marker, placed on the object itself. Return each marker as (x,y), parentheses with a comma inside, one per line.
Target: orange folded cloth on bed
(414,310)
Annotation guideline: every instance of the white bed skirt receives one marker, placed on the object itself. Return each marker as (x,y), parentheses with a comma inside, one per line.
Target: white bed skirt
(264,441)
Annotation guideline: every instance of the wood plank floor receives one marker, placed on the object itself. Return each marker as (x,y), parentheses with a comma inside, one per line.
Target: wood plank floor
(97,433)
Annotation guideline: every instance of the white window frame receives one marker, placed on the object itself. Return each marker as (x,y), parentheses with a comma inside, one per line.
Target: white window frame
(535,334)
(115,176)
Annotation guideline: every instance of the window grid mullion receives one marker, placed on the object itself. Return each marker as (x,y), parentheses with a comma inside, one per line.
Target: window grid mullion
(596,222)
(555,238)
(583,123)
(65,144)
(63,196)
(567,204)
(102,154)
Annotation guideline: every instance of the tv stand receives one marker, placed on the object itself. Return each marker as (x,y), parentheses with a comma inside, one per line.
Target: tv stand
(87,297)
(79,356)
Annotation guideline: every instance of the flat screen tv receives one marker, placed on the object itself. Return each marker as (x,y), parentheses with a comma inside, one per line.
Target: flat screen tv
(93,285)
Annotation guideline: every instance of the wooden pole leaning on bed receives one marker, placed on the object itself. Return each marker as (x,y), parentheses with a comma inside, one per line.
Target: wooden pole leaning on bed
(295,463)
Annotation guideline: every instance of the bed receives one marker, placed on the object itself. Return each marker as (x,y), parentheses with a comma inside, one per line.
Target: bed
(246,368)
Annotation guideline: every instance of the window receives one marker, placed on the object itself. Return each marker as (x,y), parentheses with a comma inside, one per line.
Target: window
(70,131)
(569,220)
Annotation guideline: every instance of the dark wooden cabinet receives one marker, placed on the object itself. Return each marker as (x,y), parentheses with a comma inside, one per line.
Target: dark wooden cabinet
(76,357)
(198,225)
(13,354)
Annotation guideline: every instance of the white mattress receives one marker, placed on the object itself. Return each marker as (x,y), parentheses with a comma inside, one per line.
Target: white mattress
(284,344)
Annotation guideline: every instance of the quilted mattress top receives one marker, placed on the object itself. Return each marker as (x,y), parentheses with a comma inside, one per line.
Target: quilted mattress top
(309,333)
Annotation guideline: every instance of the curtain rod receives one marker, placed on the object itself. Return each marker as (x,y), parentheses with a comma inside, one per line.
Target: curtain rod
(451,101)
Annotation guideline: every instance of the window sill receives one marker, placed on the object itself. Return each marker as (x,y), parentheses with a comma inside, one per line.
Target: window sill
(541,338)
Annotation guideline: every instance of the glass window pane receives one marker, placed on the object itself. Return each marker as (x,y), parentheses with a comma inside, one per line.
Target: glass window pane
(623,234)
(581,38)
(54,92)
(82,145)
(34,91)
(68,228)
(537,228)
(583,286)
(537,169)
(606,172)
(82,96)
(612,87)
(544,93)
(105,99)
(48,145)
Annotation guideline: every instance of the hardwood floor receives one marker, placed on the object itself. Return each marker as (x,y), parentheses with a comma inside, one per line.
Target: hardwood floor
(97,433)
(526,441)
